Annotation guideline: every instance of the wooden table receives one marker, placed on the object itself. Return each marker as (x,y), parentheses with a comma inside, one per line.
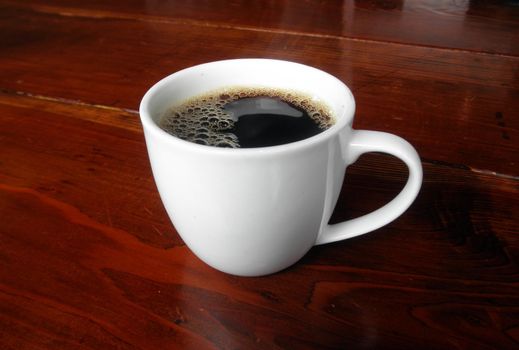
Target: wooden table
(90,260)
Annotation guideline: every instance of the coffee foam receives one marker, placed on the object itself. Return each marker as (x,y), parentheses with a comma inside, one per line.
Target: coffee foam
(203,119)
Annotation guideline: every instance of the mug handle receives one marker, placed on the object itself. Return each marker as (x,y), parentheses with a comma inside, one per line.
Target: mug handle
(364,141)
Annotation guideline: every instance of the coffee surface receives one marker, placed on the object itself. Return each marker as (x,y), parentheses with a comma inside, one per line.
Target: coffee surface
(247,118)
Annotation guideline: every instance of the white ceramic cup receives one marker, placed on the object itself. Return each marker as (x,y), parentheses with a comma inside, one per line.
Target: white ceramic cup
(256,211)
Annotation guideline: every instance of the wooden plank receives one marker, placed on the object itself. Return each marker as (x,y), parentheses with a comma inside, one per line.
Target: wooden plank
(71,161)
(454,106)
(93,261)
(485,26)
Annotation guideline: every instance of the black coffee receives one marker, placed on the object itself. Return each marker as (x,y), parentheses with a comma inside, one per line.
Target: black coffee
(247,117)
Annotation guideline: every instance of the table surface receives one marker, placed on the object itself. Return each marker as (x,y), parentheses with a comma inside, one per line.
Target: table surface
(90,260)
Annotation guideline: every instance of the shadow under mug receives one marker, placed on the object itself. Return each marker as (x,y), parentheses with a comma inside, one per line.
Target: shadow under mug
(256,211)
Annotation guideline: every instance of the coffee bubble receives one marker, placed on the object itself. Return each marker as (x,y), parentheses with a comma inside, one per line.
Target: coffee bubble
(205,120)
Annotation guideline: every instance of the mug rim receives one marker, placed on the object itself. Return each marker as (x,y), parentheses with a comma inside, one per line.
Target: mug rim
(151,126)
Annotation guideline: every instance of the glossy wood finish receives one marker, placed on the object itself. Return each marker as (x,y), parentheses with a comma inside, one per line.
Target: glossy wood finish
(487,26)
(122,58)
(89,259)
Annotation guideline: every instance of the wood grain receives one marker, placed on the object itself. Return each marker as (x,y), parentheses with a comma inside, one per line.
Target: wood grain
(90,260)
(451,105)
(484,26)
(93,261)
(71,161)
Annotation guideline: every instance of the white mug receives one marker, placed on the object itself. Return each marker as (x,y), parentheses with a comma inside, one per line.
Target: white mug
(256,211)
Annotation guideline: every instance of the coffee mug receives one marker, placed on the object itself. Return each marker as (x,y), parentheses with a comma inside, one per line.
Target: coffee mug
(256,211)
